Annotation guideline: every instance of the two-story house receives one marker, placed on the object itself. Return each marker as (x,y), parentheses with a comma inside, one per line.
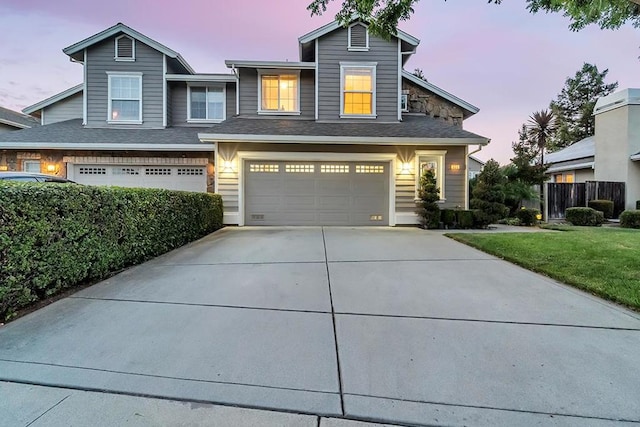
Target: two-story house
(338,138)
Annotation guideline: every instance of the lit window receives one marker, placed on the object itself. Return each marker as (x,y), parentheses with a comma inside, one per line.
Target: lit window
(434,161)
(568,178)
(125,98)
(358,90)
(206,103)
(279,93)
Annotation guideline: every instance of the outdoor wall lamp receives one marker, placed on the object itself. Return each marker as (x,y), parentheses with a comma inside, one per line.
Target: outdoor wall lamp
(52,168)
(227,166)
(406,167)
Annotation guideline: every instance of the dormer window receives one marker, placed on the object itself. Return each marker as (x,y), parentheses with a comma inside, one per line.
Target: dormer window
(358,37)
(279,93)
(125,49)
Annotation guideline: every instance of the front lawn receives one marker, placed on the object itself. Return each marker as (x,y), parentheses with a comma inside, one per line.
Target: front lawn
(603,261)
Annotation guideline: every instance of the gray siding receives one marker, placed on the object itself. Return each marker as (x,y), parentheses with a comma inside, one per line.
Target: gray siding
(148,61)
(67,109)
(332,49)
(178,104)
(249,94)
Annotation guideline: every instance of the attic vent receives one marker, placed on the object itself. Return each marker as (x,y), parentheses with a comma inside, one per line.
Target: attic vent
(358,37)
(125,48)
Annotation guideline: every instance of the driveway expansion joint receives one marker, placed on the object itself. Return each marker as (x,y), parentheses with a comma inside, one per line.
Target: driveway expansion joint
(193,304)
(501,322)
(48,410)
(493,408)
(137,374)
(333,318)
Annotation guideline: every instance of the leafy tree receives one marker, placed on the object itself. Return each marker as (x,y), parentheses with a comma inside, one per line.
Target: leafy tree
(573,108)
(383,16)
(541,129)
(527,160)
(488,194)
(428,193)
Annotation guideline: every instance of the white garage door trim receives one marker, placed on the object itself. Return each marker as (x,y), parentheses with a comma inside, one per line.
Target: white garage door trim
(311,157)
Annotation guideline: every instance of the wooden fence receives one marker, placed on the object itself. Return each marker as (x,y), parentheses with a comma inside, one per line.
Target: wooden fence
(562,196)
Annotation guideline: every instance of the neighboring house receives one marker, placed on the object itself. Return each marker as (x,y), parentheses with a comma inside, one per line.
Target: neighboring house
(12,120)
(612,154)
(574,163)
(339,137)
(474,165)
(617,156)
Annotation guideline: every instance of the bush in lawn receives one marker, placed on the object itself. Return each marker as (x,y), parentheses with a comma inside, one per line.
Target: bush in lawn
(448,217)
(464,219)
(604,206)
(630,219)
(488,195)
(584,216)
(527,216)
(54,237)
(428,193)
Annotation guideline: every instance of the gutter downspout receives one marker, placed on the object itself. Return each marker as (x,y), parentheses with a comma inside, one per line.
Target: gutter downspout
(466,169)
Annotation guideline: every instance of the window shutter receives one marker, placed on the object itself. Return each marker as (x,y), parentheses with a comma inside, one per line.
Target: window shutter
(358,36)
(124,47)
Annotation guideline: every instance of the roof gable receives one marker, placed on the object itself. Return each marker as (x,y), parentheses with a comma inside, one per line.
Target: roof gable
(472,109)
(53,99)
(332,26)
(120,28)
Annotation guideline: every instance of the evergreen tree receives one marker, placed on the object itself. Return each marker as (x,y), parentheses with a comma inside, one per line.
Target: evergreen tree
(573,108)
(527,160)
(427,209)
(488,195)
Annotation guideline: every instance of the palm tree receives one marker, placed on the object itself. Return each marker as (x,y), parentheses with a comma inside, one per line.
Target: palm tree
(541,127)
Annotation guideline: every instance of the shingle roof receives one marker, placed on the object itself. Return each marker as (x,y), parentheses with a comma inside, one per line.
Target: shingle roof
(72,131)
(11,116)
(580,150)
(421,126)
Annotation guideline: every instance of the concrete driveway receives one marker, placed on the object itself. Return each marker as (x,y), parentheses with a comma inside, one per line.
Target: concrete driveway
(391,325)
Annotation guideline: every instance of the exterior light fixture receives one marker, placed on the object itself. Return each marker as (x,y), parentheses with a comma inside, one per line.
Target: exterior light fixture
(51,168)
(406,167)
(455,166)
(227,166)
(4,168)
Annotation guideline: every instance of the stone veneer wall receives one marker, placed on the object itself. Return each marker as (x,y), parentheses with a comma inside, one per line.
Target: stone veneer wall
(425,102)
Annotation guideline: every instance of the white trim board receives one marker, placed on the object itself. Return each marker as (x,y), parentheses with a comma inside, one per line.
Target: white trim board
(98,146)
(296,139)
(283,65)
(332,26)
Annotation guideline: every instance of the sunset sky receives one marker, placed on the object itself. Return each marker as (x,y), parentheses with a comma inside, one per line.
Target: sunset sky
(500,58)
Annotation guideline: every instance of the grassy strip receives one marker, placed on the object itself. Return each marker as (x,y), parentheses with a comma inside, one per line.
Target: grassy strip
(602,261)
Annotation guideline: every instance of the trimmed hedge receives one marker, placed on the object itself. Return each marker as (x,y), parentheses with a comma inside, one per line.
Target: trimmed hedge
(448,217)
(630,219)
(54,237)
(584,216)
(527,216)
(604,206)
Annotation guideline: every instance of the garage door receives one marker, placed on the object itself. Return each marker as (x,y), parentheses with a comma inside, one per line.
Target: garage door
(187,178)
(316,193)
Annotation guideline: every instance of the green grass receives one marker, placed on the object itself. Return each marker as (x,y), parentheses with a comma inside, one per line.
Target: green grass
(603,261)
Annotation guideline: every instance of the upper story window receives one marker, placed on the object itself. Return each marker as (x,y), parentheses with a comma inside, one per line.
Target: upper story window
(404,102)
(358,89)
(279,93)
(125,97)
(125,49)
(206,104)
(358,37)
